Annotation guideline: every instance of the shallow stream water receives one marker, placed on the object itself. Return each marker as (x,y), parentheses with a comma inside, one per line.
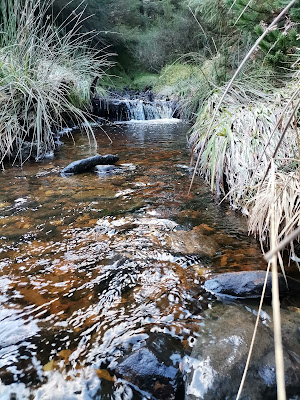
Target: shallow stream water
(96,266)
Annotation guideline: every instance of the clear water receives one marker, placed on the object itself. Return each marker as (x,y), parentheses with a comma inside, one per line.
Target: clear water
(93,268)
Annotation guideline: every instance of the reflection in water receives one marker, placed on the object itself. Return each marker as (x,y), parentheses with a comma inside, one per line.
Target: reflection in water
(98,266)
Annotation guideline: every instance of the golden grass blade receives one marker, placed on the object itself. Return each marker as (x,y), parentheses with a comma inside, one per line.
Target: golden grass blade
(281,245)
(281,393)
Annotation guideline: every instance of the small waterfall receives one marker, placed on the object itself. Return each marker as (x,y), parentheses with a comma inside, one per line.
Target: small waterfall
(133,107)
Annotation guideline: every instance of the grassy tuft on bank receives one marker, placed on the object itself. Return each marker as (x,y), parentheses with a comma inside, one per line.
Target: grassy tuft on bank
(238,150)
(46,71)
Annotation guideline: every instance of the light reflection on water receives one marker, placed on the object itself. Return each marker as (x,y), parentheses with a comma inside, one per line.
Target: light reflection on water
(88,269)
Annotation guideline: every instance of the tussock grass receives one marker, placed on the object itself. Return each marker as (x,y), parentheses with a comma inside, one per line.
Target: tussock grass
(236,154)
(287,207)
(46,70)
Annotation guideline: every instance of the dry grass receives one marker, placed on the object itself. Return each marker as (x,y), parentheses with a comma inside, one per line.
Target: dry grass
(237,152)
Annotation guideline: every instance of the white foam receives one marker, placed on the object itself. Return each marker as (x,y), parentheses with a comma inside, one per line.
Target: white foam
(161,121)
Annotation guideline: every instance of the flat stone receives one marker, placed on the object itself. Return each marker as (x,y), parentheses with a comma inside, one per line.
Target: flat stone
(191,242)
(143,369)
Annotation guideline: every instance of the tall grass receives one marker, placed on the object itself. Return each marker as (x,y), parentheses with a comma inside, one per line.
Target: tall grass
(237,151)
(46,70)
(191,79)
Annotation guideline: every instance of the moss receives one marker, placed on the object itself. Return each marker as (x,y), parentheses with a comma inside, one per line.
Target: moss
(144,81)
(132,79)
(191,82)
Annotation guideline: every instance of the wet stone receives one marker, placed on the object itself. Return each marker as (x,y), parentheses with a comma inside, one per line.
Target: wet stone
(215,367)
(191,242)
(107,170)
(87,164)
(143,369)
(247,284)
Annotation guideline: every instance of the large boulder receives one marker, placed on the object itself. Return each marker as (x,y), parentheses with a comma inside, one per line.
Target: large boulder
(215,367)
(247,284)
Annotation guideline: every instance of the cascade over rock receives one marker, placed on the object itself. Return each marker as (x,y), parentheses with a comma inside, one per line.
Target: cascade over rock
(133,106)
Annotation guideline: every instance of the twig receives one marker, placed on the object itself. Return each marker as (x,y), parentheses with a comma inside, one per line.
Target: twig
(281,245)
(281,395)
(274,130)
(298,140)
(245,8)
(280,141)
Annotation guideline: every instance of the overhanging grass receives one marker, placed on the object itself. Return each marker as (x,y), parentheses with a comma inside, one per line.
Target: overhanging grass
(46,72)
(240,145)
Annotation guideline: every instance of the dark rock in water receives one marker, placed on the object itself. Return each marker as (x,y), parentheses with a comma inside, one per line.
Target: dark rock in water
(128,105)
(28,150)
(247,284)
(143,369)
(88,164)
(215,367)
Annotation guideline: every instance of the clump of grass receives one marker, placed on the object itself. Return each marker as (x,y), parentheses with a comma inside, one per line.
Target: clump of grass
(46,70)
(242,140)
(286,206)
(144,81)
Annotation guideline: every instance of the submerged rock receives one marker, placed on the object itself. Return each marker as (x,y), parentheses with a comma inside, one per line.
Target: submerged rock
(107,169)
(191,242)
(88,164)
(143,369)
(131,105)
(216,365)
(247,284)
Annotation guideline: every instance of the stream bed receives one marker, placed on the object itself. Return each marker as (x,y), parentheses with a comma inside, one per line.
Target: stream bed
(102,273)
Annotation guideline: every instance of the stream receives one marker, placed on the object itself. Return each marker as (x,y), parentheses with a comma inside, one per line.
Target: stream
(104,265)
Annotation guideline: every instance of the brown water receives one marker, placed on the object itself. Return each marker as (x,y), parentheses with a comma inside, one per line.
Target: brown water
(96,266)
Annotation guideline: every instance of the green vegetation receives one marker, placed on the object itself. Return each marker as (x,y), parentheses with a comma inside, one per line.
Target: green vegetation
(46,71)
(186,49)
(280,43)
